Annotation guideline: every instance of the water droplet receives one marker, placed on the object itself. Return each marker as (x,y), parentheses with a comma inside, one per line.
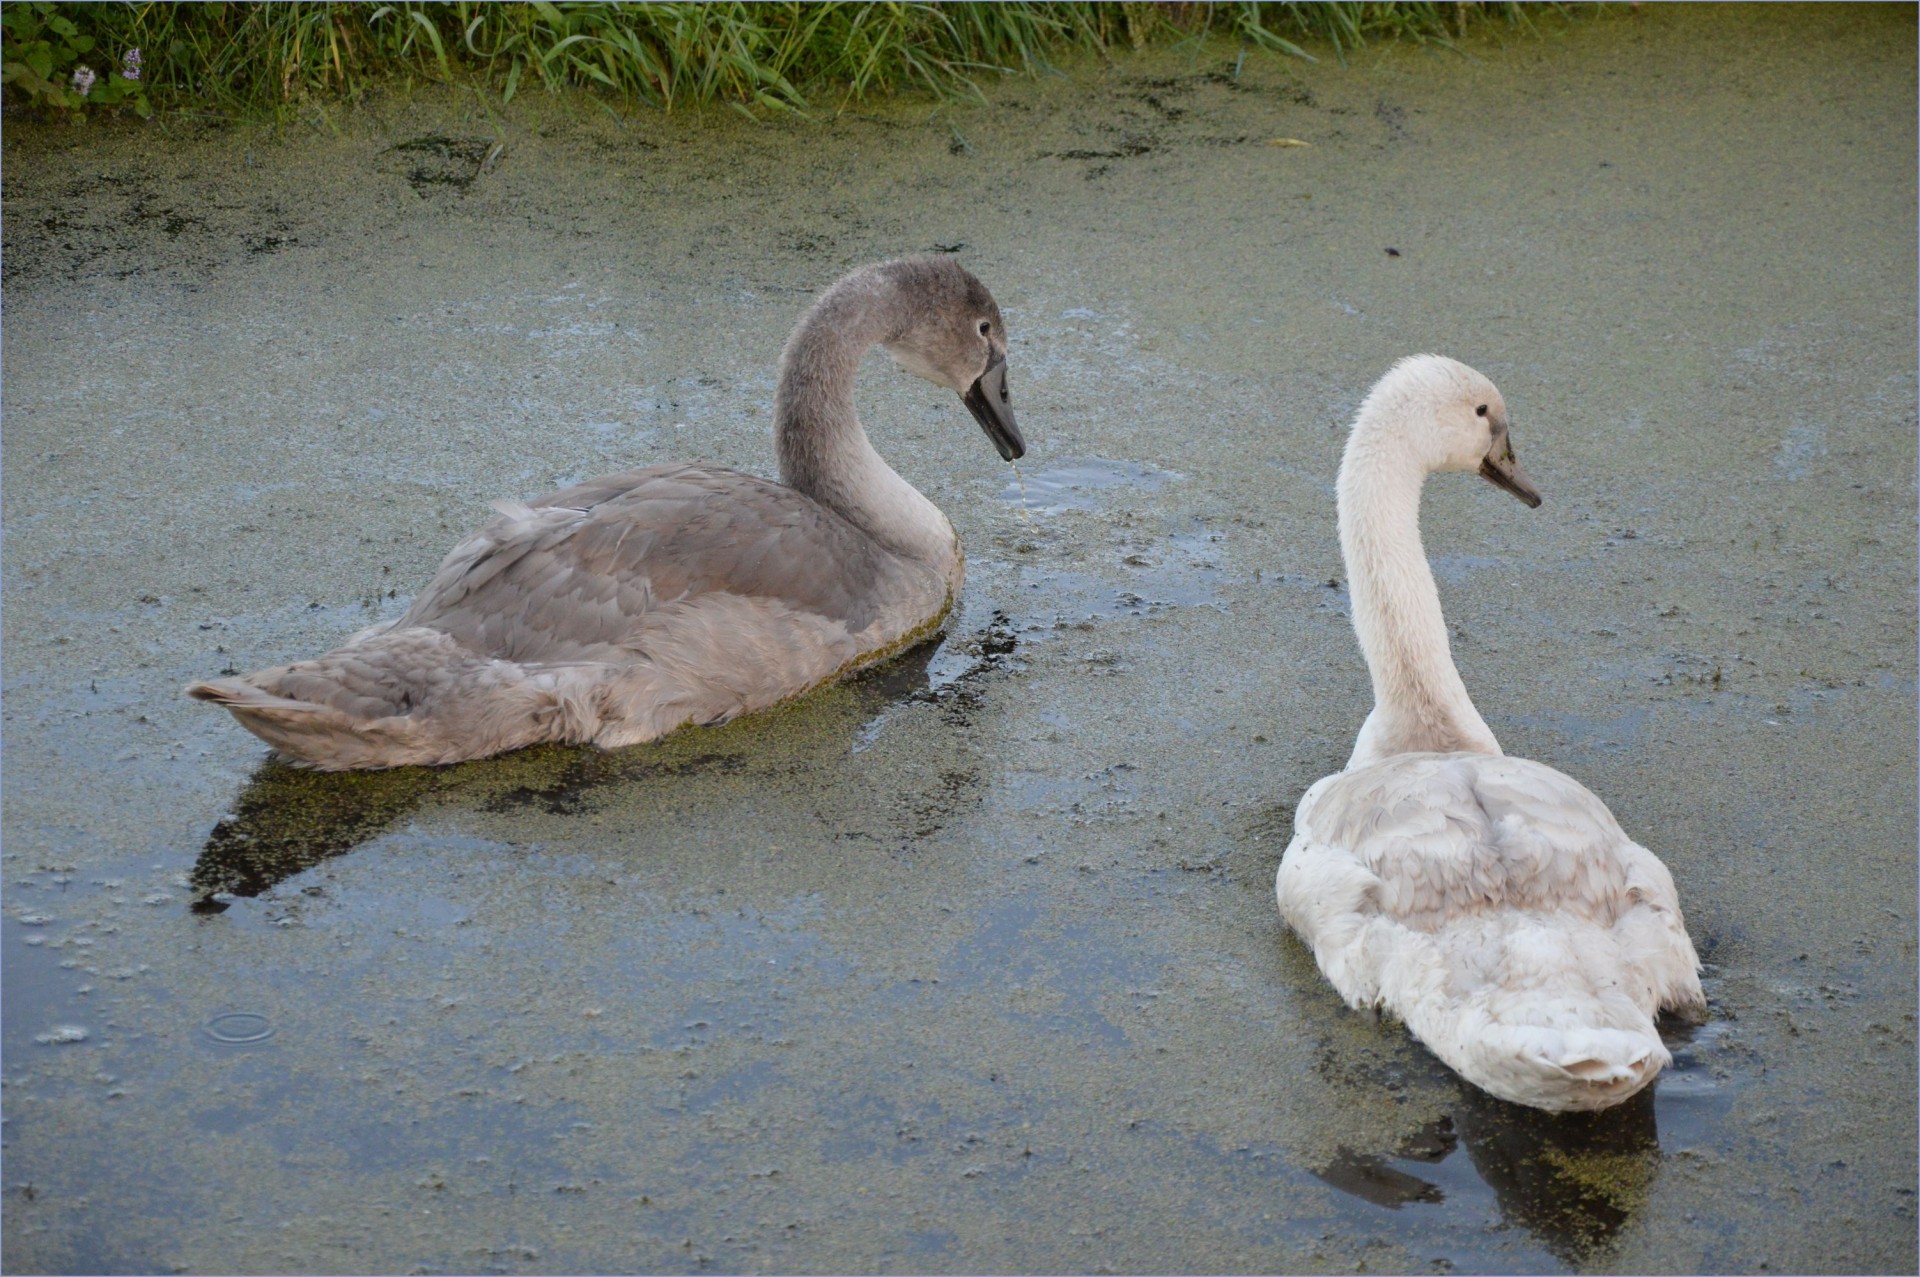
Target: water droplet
(238,1027)
(60,1034)
(1020,481)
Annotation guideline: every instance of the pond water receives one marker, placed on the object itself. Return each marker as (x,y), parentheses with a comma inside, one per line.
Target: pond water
(972,963)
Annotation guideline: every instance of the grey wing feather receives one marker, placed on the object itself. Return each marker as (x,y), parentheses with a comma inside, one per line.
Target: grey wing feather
(573,575)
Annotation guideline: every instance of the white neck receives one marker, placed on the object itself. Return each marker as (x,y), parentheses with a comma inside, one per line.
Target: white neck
(1420,704)
(823,449)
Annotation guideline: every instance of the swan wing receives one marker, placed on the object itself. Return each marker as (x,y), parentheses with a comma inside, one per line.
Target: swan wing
(1495,905)
(575,575)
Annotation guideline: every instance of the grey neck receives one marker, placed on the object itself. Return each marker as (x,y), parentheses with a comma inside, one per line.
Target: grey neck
(823,449)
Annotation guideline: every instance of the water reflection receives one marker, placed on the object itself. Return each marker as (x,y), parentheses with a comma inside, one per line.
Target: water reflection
(1373,1178)
(287,820)
(1573,1180)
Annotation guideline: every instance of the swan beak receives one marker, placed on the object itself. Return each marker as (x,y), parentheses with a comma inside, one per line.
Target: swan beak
(987,400)
(1502,471)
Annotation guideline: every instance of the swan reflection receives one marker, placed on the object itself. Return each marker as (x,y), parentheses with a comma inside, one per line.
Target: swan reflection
(289,819)
(1572,1180)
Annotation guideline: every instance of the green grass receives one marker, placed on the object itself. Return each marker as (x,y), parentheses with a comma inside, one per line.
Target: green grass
(250,60)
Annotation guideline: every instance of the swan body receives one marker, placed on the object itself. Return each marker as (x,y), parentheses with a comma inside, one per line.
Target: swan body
(620,609)
(1492,903)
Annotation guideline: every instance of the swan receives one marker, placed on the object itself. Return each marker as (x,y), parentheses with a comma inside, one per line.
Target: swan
(619,609)
(1492,903)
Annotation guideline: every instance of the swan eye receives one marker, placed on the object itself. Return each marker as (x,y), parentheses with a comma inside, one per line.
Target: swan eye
(986,326)
(1481,411)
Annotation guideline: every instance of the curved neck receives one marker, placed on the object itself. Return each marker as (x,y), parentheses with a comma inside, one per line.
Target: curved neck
(823,449)
(1420,704)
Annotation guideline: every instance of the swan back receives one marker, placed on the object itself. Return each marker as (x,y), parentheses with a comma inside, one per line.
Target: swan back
(1497,907)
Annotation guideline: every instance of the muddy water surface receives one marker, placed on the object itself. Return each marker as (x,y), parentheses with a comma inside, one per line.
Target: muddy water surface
(973,963)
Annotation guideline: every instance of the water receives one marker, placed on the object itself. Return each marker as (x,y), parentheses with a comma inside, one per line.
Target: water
(971,963)
(1079,485)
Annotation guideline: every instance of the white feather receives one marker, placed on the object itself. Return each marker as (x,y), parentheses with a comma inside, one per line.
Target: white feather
(1491,903)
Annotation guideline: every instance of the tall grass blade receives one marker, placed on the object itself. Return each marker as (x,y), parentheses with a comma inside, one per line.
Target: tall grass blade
(251,58)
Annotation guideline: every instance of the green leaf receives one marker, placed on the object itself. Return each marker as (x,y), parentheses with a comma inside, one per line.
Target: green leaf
(433,36)
(572,39)
(47,91)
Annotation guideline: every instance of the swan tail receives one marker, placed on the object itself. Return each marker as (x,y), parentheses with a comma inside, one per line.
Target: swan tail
(1572,1069)
(314,735)
(405,697)
(1543,1011)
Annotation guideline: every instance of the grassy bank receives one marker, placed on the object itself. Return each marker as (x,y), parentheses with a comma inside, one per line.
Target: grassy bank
(255,59)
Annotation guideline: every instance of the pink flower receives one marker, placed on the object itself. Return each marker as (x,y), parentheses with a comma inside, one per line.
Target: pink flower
(130,64)
(83,78)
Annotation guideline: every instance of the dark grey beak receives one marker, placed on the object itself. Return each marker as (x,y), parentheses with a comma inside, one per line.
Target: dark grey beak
(988,402)
(1502,471)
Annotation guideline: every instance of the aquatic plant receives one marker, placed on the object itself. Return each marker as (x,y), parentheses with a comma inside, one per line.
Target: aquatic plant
(252,59)
(40,52)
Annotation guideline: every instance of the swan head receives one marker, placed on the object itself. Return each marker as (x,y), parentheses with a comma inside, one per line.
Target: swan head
(949,332)
(1452,417)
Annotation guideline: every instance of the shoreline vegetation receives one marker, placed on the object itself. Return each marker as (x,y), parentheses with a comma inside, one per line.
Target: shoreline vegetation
(252,61)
